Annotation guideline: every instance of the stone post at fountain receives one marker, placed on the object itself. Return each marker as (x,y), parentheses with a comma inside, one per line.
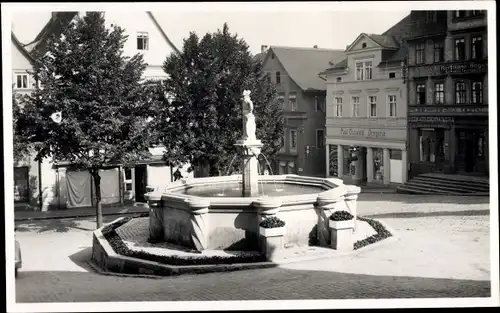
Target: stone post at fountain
(249,149)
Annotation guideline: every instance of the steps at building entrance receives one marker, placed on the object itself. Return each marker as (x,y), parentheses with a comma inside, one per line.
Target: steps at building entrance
(443,184)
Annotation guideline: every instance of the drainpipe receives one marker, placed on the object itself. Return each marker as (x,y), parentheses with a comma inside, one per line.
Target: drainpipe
(40,192)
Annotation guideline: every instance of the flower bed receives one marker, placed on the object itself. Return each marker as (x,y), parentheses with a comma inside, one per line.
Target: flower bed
(341,216)
(272,222)
(115,241)
(381,234)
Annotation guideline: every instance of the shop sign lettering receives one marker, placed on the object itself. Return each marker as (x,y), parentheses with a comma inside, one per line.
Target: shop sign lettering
(361,133)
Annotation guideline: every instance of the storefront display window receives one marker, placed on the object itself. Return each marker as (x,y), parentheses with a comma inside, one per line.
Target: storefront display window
(431,145)
(378,164)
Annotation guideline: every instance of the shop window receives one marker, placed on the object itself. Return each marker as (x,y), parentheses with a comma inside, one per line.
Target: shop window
(378,164)
(431,145)
(347,164)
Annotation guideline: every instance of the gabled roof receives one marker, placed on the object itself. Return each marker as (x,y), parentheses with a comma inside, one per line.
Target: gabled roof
(20,46)
(390,39)
(385,41)
(61,20)
(56,25)
(304,64)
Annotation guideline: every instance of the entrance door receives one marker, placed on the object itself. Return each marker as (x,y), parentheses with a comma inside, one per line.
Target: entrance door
(140,182)
(467,149)
(21,184)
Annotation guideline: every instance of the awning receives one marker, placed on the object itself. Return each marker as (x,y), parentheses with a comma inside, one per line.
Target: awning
(291,164)
(282,163)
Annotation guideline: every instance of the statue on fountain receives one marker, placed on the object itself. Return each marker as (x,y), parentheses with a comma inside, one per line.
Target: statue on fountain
(248,117)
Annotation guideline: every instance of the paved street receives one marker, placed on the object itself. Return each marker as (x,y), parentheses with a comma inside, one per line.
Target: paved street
(442,250)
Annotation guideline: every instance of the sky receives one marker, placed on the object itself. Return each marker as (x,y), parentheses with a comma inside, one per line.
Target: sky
(325,28)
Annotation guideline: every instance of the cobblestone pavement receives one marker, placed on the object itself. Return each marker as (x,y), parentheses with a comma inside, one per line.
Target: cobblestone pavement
(442,250)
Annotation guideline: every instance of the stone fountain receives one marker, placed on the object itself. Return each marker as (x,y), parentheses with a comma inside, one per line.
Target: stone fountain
(192,213)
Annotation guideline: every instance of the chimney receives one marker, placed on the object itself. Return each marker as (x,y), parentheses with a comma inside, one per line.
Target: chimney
(315,47)
(263,48)
(54,15)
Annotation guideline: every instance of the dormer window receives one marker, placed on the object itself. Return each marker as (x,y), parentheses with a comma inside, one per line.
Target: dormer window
(363,70)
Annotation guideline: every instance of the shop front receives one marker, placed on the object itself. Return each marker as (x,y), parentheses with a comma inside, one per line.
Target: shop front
(450,145)
(367,155)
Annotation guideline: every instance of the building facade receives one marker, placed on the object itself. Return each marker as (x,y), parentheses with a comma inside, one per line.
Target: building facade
(294,71)
(366,122)
(448,92)
(62,186)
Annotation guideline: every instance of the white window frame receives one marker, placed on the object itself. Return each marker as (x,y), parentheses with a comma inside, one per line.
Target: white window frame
(364,71)
(323,138)
(145,40)
(27,81)
(390,104)
(354,106)
(281,99)
(370,101)
(293,133)
(293,107)
(337,106)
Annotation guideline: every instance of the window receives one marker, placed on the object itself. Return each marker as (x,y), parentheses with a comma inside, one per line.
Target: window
(420,53)
(319,102)
(421,94)
(278,78)
(477,92)
(372,106)
(392,105)
(142,41)
(364,70)
(283,143)
(320,138)
(292,101)
(339,79)
(281,101)
(477,48)
(392,75)
(431,145)
(22,81)
(438,51)
(128,179)
(460,49)
(363,45)
(338,107)
(355,106)
(477,12)
(460,92)
(272,55)
(460,14)
(439,93)
(293,139)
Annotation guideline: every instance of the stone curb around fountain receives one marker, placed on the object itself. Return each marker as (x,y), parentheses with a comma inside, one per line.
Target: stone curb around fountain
(120,261)
(109,258)
(393,238)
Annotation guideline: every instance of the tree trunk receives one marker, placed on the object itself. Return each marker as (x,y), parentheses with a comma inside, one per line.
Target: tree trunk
(98,205)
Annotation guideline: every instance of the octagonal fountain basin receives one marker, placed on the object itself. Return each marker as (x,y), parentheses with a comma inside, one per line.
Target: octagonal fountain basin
(211,213)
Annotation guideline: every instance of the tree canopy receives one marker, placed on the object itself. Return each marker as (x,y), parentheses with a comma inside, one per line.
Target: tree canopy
(201,116)
(90,105)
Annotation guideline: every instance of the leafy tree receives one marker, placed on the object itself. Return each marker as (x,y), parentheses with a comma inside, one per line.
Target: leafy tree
(91,106)
(21,146)
(201,118)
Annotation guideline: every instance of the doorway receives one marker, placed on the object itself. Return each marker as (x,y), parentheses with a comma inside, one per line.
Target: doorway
(470,146)
(141,178)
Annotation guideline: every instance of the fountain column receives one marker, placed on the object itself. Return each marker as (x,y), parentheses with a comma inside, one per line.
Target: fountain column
(249,148)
